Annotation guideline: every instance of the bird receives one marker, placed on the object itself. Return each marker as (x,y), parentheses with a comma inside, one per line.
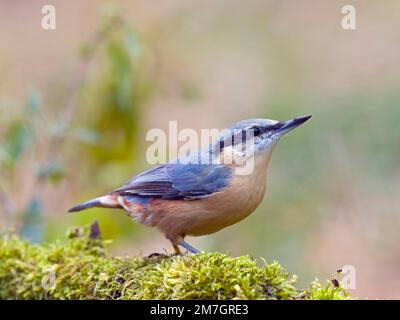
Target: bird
(203,191)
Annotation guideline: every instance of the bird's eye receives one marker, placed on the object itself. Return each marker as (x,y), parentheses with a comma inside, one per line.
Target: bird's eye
(256,131)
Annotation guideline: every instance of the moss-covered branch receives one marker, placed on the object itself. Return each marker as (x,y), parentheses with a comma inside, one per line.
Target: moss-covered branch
(81,269)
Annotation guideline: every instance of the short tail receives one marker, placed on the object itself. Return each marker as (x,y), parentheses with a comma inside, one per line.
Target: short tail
(107,201)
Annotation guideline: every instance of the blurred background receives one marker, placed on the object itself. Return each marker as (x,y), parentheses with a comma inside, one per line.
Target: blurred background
(76,103)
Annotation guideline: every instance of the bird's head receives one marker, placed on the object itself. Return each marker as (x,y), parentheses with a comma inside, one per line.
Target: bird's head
(253,137)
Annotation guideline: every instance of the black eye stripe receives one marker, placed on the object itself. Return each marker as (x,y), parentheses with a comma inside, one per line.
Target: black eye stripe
(240,136)
(260,130)
(256,130)
(276,126)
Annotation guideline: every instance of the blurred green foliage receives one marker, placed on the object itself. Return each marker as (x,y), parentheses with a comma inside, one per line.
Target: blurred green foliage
(32,221)
(110,111)
(20,133)
(108,122)
(98,121)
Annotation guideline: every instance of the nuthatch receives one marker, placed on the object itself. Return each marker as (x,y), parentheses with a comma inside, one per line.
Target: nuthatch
(196,198)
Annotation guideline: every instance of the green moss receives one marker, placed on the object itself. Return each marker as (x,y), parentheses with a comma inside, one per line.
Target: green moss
(81,269)
(329,292)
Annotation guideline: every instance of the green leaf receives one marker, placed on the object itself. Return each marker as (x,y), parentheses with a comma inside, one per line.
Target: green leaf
(32,228)
(53,171)
(17,141)
(132,43)
(33,102)
(86,135)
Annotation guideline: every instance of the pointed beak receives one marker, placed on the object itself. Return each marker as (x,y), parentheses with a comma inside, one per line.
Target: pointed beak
(284,127)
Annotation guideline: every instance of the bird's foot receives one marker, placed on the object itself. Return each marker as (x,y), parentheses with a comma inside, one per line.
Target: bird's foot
(157,255)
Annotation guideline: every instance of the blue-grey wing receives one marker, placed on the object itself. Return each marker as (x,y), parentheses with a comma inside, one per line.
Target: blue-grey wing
(178,181)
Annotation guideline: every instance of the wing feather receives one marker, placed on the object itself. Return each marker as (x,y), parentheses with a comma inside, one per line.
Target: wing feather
(178,181)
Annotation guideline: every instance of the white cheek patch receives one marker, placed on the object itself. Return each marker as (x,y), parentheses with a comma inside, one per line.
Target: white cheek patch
(243,162)
(228,155)
(240,157)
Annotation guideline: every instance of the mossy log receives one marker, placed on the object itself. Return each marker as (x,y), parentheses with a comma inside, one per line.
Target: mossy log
(80,268)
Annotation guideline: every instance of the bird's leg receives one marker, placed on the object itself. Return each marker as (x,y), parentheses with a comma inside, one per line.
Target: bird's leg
(187,246)
(176,248)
